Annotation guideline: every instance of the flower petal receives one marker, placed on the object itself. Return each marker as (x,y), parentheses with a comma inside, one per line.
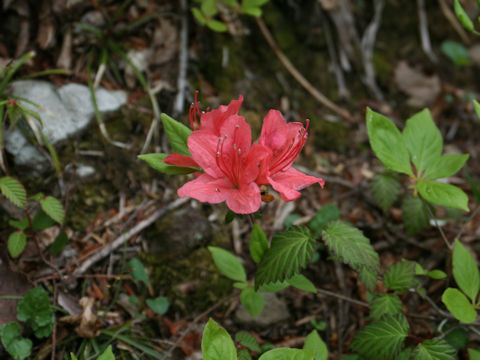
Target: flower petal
(288,182)
(206,189)
(203,147)
(213,120)
(245,200)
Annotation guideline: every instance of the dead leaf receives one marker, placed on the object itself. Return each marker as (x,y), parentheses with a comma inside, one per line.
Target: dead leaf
(46,27)
(421,89)
(89,322)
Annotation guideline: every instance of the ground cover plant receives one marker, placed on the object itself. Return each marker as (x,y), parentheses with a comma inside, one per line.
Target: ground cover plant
(281,181)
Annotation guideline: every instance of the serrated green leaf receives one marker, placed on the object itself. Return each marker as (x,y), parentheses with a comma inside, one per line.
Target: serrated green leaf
(445,166)
(216,25)
(301,282)
(405,354)
(59,244)
(462,16)
(42,221)
(459,306)
(368,278)
(323,216)
(35,307)
(287,354)
(252,300)
(274,286)
(400,276)
(387,143)
(14,191)
(314,342)
(382,339)
(258,243)
(434,349)
(228,264)
(423,139)
(350,245)
(251,3)
(243,354)
(248,340)
(53,208)
(155,160)
(289,253)
(19,348)
(443,194)
(107,354)
(465,271)
(19,224)
(414,214)
(16,243)
(385,304)
(139,272)
(216,343)
(385,189)
(177,134)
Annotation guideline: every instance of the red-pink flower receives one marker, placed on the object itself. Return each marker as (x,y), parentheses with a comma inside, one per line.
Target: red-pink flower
(210,121)
(285,142)
(230,164)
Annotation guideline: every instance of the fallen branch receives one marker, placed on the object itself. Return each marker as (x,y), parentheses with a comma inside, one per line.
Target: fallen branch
(124,237)
(299,77)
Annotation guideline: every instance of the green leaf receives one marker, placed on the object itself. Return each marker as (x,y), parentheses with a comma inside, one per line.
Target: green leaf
(107,354)
(387,143)
(456,52)
(368,278)
(301,282)
(42,221)
(209,7)
(289,253)
(350,245)
(463,17)
(35,307)
(216,25)
(16,243)
(385,304)
(158,305)
(324,215)
(155,160)
(382,339)
(474,354)
(216,343)
(19,348)
(258,243)
(465,271)
(199,16)
(436,274)
(423,139)
(53,208)
(139,272)
(476,106)
(443,194)
(14,191)
(385,189)
(459,306)
(252,3)
(314,342)
(254,11)
(177,134)
(228,264)
(19,224)
(287,354)
(243,354)
(274,286)
(457,338)
(445,166)
(434,349)
(59,244)
(400,276)
(415,215)
(247,340)
(253,301)
(405,354)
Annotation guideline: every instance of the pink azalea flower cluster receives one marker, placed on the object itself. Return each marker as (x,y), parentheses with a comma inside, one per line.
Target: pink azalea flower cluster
(233,167)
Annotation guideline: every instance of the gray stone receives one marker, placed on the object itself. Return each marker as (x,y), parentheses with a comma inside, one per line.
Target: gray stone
(275,310)
(65,112)
(84,171)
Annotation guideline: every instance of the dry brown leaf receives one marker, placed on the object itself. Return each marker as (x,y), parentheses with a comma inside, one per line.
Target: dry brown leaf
(421,89)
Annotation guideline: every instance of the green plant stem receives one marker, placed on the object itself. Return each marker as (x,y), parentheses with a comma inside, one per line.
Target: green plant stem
(430,213)
(470,218)
(3,160)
